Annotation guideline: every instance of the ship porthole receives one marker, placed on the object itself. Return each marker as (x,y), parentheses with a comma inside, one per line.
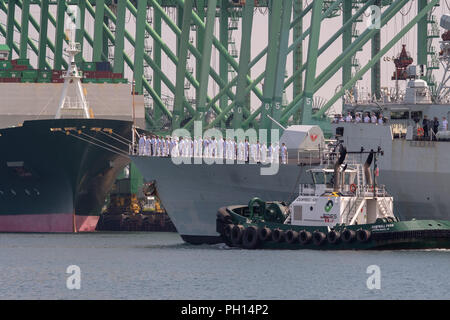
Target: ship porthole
(27,192)
(37,191)
(13,192)
(1,192)
(311,208)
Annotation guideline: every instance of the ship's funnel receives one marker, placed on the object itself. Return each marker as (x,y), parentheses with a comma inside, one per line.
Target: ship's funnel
(367,165)
(337,165)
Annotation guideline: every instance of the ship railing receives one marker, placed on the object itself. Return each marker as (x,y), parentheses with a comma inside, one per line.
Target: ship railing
(375,191)
(307,189)
(310,157)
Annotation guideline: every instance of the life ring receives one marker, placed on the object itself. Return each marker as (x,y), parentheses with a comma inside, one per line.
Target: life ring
(278,235)
(291,236)
(348,235)
(236,234)
(250,238)
(304,237)
(264,234)
(420,132)
(363,235)
(333,237)
(319,238)
(353,187)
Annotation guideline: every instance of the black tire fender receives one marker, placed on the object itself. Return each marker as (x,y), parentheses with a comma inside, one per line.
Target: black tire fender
(250,239)
(304,237)
(291,236)
(236,234)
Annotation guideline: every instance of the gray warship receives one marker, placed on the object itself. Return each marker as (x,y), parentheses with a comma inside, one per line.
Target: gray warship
(415,167)
(192,193)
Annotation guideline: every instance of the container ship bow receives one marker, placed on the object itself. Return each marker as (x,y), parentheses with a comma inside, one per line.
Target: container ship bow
(55,174)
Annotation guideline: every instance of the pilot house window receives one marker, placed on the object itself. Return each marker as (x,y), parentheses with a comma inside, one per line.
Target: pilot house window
(399,115)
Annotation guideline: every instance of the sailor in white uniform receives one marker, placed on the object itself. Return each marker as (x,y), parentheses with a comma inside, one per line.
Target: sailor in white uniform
(141,145)
(200,147)
(373,118)
(241,151)
(175,152)
(206,147)
(276,153)
(181,147)
(270,153)
(147,147)
(349,117)
(153,141)
(195,142)
(367,118)
(246,151)
(263,153)
(283,154)
(254,152)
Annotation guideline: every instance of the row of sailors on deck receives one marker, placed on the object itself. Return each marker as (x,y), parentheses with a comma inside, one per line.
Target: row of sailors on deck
(373,118)
(212,148)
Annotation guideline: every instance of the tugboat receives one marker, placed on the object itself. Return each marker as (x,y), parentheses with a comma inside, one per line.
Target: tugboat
(342,209)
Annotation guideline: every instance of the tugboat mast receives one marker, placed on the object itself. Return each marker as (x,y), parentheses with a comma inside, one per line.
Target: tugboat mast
(73,76)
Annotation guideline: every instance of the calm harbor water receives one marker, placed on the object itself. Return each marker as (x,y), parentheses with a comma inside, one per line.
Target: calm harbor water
(161,266)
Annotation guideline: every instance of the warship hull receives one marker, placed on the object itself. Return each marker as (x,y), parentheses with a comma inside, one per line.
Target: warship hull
(191,194)
(55,174)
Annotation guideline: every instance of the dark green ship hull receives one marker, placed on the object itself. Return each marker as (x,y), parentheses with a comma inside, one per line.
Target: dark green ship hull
(55,174)
(382,235)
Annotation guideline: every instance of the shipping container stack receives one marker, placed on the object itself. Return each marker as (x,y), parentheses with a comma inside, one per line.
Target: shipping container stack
(20,70)
(100,72)
(12,70)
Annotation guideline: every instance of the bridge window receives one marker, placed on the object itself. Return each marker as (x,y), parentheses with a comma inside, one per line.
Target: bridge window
(399,115)
(416,115)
